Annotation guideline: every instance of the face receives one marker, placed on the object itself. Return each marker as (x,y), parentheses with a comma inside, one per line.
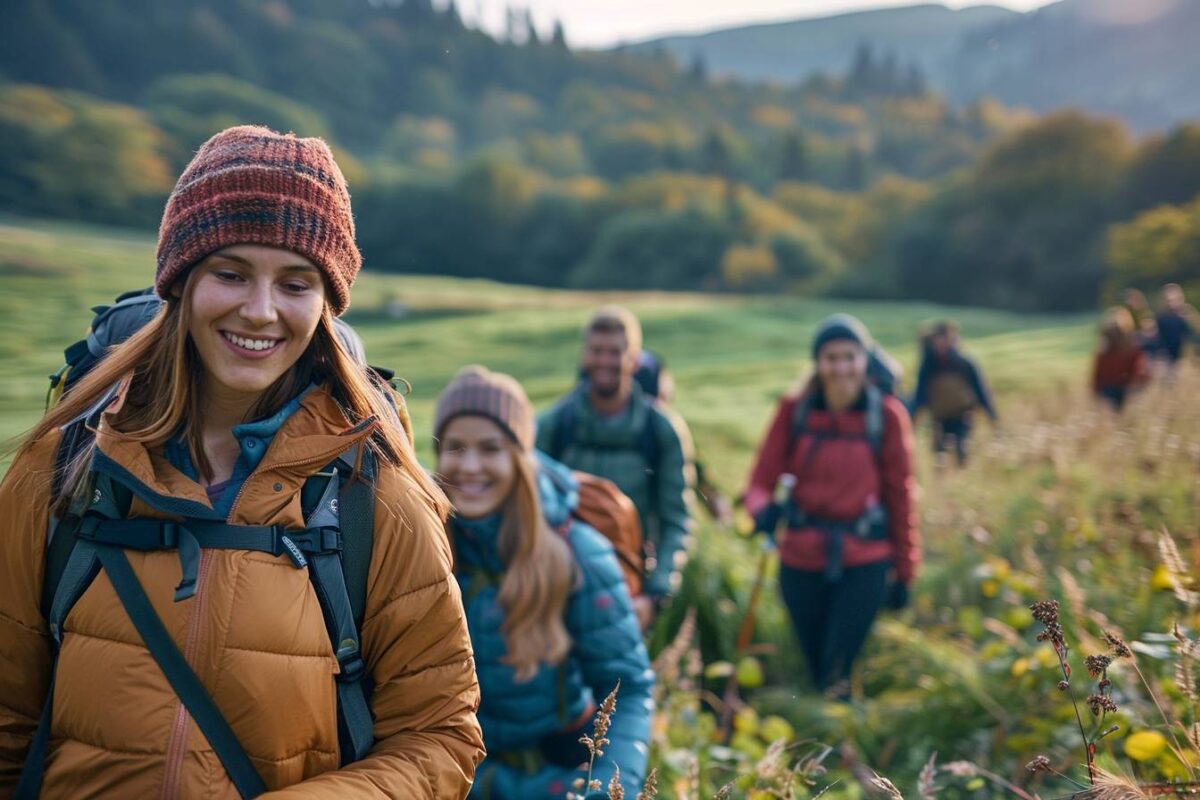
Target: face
(941,343)
(608,362)
(1172,298)
(842,368)
(477,466)
(253,312)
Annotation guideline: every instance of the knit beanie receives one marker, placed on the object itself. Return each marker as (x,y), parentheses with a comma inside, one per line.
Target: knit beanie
(843,327)
(478,391)
(251,185)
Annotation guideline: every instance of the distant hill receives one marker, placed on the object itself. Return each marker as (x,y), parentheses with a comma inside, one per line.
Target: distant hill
(790,51)
(1137,60)
(1133,59)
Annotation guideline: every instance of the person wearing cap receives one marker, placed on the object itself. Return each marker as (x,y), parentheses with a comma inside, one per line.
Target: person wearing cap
(208,423)
(951,385)
(608,426)
(550,615)
(849,543)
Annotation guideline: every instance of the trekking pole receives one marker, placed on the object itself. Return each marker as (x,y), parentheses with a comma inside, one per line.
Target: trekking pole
(765,525)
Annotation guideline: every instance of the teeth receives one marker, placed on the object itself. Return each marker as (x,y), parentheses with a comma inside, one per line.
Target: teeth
(250,344)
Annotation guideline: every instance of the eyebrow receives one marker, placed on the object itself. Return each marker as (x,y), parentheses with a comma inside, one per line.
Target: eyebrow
(246,262)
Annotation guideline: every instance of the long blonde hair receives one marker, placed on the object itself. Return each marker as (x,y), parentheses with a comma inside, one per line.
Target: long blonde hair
(165,395)
(539,575)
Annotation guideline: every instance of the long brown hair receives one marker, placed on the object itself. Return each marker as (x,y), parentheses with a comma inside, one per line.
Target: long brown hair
(166,392)
(539,575)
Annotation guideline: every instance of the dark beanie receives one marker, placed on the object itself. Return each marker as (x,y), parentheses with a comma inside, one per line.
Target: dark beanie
(840,326)
(478,391)
(251,185)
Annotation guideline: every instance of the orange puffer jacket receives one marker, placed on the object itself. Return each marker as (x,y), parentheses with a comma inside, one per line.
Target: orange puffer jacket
(254,635)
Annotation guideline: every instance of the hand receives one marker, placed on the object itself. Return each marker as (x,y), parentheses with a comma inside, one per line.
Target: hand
(646,609)
(897,596)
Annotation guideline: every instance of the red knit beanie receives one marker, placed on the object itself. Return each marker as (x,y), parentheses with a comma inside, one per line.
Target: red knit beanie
(251,185)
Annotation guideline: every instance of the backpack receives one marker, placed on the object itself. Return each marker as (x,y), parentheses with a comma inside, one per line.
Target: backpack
(872,524)
(874,418)
(605,507)
(338,506)
(564,434)
(950,395)
(111,326)
(610,511)
(884,371)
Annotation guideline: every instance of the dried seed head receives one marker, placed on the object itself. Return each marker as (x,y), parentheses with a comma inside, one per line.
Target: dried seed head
(1096,665)
(650,789)
(1039,764)
(1101,703)
(615,790)
(1119,648)
(1045,612)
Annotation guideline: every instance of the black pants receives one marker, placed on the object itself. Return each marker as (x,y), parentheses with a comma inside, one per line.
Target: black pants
(832,619)
(947,432)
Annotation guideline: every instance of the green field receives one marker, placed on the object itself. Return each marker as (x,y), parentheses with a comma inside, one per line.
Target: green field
(731,355)
(1062,501)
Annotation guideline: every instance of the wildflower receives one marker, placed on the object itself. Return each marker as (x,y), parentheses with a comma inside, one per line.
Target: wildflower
(615,790)
(597,741)
(650,789)
(1045,612)
(1101,703)
(1063,686)
(1119,648)
(1096,665)
(1039,764)
(961,769)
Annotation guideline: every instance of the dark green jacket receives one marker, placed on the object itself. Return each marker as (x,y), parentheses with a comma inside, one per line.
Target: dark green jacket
(615,448)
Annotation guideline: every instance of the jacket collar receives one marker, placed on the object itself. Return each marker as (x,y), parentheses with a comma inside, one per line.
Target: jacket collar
(313,436)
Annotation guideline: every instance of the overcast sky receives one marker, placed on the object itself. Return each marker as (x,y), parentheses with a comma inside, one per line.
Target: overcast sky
(600,23)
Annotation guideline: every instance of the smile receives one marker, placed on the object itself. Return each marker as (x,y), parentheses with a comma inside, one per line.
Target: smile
(257,346)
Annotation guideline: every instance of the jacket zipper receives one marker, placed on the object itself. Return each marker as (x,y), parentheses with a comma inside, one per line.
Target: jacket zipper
(177,745)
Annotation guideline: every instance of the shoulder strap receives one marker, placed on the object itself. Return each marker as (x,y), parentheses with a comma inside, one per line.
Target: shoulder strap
(340,581)
(181,677)
(648,444)
(564,429)
(799,422)
(874,420)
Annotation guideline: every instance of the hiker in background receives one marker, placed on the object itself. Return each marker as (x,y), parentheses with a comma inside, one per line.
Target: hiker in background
(850,544)
(1120,365)
(608,426)
(951,386)
(1176,323)
(551,619)
(658,383)
(234,439)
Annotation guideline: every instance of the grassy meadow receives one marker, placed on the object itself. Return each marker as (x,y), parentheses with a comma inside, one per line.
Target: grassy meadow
(955,695)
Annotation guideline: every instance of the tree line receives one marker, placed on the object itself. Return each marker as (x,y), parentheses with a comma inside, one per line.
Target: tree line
(522,160)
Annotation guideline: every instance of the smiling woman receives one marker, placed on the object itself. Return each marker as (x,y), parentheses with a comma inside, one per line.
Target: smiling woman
(261,475)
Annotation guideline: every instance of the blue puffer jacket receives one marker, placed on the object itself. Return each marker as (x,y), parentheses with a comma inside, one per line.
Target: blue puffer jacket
(606,647)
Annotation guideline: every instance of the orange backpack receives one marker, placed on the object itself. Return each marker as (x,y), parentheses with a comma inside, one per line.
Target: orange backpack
(610,511)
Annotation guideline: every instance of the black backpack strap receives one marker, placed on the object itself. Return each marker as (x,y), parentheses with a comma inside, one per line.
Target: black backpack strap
(337,498)
(799,423)
(564,429)
(79,568)
(181,677)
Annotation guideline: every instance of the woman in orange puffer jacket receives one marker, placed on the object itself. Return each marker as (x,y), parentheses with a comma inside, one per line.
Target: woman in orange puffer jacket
(202,568)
